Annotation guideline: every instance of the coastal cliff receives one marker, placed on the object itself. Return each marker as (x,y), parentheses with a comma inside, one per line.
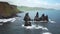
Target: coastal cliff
(7,10)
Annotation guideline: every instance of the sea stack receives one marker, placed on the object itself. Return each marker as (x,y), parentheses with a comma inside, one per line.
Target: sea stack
(36,17)
(27,23)
(44,18)
(27,19)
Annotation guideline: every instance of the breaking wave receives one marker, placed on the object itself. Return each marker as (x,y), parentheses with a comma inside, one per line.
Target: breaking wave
(51,21)
(35,27)
(46,33)
(7,20)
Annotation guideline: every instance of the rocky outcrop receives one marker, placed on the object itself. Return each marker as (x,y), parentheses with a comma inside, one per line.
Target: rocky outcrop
(36,17)
(27,19)
(27,23)
(44,18)
(7,10)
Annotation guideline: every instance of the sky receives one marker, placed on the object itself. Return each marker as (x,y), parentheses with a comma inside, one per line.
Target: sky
(36,3)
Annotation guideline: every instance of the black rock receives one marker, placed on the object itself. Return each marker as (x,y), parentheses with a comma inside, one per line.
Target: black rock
(37,14)
(46,17)
(27,23)
(36,17)
(43,18)
(27,18)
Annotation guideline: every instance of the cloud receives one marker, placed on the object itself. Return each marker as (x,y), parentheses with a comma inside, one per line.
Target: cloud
(34,3)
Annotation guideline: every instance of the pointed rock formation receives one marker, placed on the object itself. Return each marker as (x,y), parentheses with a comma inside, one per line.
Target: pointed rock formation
(43,18)
(27,18)
(36,17)
(46,17)
(37,14)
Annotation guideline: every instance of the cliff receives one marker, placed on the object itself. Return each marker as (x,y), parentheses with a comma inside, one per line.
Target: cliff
(7,10)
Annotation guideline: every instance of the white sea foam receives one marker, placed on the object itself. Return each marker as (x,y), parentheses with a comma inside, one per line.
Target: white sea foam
(46,33)
(13,19)
(51,21)
(6,20)
(35,27)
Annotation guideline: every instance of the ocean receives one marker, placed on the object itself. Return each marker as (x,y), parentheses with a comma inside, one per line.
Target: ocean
(17,27)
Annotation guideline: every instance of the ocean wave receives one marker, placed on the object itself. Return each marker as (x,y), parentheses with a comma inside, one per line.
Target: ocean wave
(46,33)
(51,21)
(6,20)
(35,27)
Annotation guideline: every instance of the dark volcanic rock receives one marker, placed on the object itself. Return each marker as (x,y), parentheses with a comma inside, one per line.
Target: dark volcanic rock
(37,14)
(27,18)
(46,17)
(27,23)
(36,17)
(43,18)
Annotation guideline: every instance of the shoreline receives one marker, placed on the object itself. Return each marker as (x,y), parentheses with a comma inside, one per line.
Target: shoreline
(12,16)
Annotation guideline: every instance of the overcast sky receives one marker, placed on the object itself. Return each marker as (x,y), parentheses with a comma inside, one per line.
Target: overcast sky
(36,3)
